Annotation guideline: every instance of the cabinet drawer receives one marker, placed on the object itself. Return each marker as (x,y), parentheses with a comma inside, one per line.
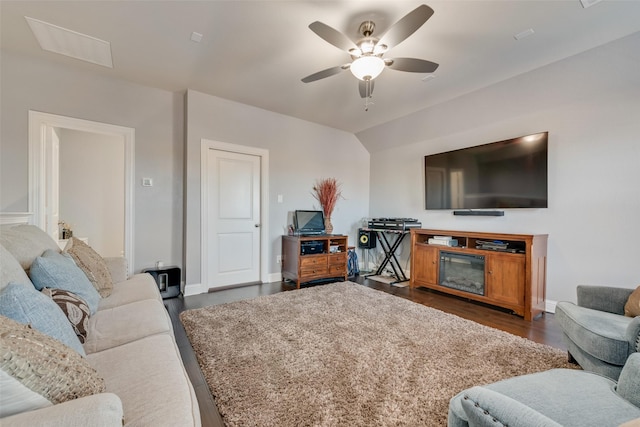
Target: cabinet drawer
(311,261)
(314,270)
(338,269)
(338,259)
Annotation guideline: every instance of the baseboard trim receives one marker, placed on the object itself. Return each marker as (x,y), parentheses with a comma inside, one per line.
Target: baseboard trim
(275,277)
(194,289)
(550,306)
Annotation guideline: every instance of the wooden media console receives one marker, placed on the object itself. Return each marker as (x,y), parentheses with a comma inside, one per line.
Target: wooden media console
(505,270)
(328,259)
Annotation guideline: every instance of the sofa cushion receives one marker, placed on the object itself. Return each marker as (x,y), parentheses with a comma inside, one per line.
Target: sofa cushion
(629,382)
(57,271)
(126,323)
(138,287)
(598,333)
(10,269)
(97,410)
(150,379)
(118,268)
(24,304)
(566,396)
(74,307)
(92,264)
(487,408)
(26,242)
(37,371)
(632,307)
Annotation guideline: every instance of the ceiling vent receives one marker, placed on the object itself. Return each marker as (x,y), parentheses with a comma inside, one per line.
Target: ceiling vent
(70,43)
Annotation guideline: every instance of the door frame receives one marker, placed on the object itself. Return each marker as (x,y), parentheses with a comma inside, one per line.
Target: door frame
(263,154)
(38,159)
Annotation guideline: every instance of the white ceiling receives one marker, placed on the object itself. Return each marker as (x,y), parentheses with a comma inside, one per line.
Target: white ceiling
(256,52)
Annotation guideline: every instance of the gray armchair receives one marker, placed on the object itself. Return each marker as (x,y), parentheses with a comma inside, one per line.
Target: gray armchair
(555,398)
(599,336)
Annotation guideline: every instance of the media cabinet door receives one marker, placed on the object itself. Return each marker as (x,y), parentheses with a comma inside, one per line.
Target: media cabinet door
(424,268)
(505,279)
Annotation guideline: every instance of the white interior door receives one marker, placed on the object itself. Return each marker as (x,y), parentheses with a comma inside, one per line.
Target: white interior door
(233,217)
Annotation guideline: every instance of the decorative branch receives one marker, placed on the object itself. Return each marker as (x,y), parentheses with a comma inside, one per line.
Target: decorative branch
(327,192)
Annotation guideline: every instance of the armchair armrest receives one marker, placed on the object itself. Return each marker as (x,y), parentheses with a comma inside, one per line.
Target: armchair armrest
(488,408)
(98,410)
(118,268)
(603,298)
(633,335)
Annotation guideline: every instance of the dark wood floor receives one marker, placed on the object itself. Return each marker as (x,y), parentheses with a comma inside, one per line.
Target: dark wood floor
(542,330)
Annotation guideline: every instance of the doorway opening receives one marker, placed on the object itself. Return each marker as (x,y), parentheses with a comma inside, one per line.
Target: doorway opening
(45,131)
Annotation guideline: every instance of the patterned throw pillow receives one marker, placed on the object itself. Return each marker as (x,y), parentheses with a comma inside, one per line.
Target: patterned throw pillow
(92,264)
(38,371)
(632,307)
(74,307)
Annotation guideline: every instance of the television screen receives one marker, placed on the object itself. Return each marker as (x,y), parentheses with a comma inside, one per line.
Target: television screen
(309,221)
(504,174)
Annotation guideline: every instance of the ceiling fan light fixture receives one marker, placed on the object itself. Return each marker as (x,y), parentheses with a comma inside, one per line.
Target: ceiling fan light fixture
(379,49)
(367,46)
(367,67)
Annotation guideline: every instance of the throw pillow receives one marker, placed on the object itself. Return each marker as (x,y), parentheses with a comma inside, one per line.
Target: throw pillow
(92,264)
(38,371)
(632,307)
(74,307)
(54,270)
(24,304)
(10,269)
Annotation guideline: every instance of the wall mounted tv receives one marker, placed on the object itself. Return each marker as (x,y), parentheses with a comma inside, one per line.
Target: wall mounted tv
(503,174)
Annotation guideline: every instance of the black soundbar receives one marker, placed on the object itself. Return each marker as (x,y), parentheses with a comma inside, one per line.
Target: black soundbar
(479,213)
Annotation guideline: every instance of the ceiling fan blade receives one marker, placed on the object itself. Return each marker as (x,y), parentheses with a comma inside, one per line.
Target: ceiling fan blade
(413,65)
(324,73)
(362,87)
(406,26)
(332,36)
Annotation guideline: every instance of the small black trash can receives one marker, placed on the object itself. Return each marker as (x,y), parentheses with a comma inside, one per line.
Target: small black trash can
(168,280)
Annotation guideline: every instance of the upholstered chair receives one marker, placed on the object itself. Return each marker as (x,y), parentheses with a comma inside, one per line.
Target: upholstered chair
(555,398)
(598,335)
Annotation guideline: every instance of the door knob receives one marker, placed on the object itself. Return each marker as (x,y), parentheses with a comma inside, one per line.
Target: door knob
(257,225)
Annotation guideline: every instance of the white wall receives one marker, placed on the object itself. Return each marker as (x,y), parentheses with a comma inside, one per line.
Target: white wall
(590,104)
(92,188)
(300,152)
(156,115)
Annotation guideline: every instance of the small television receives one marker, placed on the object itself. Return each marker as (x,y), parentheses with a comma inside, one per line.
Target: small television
(308,222)
(503,174)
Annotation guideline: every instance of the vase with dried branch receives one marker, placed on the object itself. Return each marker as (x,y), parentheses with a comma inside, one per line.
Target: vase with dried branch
(327,192)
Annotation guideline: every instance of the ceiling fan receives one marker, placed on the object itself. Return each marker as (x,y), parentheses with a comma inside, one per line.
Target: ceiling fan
(367,52)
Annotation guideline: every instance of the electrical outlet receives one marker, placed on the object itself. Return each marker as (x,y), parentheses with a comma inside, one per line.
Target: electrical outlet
(279,259)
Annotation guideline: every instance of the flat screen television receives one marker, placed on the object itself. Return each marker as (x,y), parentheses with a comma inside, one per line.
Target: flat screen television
(503,174)
(308,222)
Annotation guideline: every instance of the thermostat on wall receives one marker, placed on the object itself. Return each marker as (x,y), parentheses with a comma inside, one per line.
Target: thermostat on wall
(147,182)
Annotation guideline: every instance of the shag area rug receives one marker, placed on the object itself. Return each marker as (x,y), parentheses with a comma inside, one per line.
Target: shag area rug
(346,355)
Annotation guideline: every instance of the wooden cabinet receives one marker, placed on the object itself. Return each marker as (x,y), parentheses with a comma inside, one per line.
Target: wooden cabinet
(308,258)
(514,277)
(505,279)
(424,263)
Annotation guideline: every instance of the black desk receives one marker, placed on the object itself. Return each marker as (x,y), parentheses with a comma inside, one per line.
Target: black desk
(389,249)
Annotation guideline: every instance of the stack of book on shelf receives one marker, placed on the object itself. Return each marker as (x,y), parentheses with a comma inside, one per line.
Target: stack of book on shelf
(443,240)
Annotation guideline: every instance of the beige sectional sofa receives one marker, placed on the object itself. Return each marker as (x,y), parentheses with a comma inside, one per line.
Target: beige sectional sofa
(130,344)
